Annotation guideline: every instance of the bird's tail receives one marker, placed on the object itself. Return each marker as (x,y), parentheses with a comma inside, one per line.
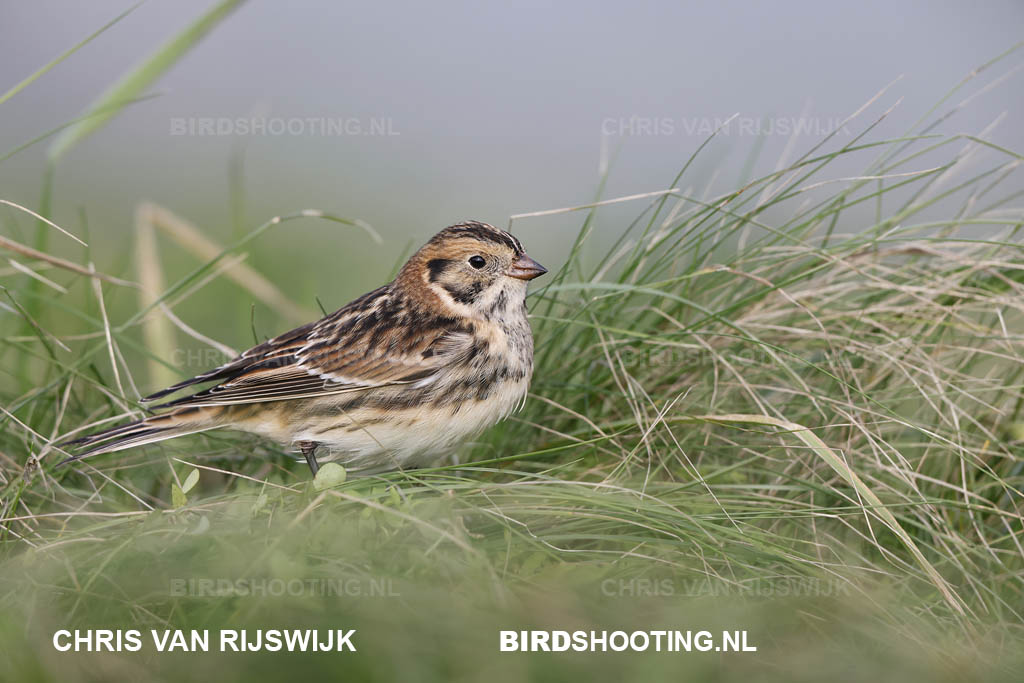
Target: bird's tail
(140,432)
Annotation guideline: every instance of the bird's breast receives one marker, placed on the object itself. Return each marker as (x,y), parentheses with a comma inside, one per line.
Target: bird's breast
(416,424)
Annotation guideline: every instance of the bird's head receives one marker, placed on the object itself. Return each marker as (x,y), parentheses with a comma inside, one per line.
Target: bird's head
(471,269)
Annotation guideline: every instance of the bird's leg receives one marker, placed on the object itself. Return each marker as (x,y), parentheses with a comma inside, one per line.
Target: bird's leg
(308,449)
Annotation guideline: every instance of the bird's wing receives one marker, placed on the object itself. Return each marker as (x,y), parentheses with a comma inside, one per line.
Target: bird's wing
(362,346)
(273,351)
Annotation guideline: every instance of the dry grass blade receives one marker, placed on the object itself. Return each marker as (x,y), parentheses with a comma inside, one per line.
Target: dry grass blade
(156,328)
(45,220)
(841,467)
(192,239)
(29,252)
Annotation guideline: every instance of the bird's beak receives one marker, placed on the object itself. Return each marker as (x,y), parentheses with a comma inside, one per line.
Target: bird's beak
(525,268)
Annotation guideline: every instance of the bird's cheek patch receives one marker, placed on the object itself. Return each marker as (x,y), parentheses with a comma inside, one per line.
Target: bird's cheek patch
(436,267)
(465,294)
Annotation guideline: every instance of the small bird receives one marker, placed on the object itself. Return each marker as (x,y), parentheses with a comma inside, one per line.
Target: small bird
(393,380)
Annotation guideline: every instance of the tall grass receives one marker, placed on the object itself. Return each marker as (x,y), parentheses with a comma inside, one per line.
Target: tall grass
(760,410)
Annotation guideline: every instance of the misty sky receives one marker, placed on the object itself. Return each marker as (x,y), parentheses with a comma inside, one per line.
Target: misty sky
(490,109)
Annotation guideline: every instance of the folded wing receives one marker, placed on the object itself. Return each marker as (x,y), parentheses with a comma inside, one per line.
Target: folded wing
(359,347)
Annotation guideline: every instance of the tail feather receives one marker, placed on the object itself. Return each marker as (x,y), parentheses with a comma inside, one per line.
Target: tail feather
(137,433)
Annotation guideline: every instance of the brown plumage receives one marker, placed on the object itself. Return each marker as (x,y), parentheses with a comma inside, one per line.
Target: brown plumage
(393,379)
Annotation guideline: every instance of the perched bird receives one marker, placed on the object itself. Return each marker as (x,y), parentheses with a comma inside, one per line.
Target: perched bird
(392,380)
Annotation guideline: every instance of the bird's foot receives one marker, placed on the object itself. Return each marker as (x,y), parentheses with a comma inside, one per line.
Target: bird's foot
(308,449)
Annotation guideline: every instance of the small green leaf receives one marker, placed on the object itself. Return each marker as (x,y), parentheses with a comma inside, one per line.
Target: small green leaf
(330,475)
(178,497)
(190,481)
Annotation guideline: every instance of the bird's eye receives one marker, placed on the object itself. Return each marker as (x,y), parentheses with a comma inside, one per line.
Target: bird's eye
(477,262)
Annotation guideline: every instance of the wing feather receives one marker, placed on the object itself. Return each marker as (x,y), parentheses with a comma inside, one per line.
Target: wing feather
(364,345)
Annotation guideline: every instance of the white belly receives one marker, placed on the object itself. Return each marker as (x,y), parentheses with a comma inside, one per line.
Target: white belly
(414,437)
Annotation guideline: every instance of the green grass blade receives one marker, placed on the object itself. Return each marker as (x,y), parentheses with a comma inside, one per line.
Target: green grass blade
(64,55)
(130,86)
(843,469)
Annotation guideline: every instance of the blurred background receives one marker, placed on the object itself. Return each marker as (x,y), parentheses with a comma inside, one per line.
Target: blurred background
(412,116)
